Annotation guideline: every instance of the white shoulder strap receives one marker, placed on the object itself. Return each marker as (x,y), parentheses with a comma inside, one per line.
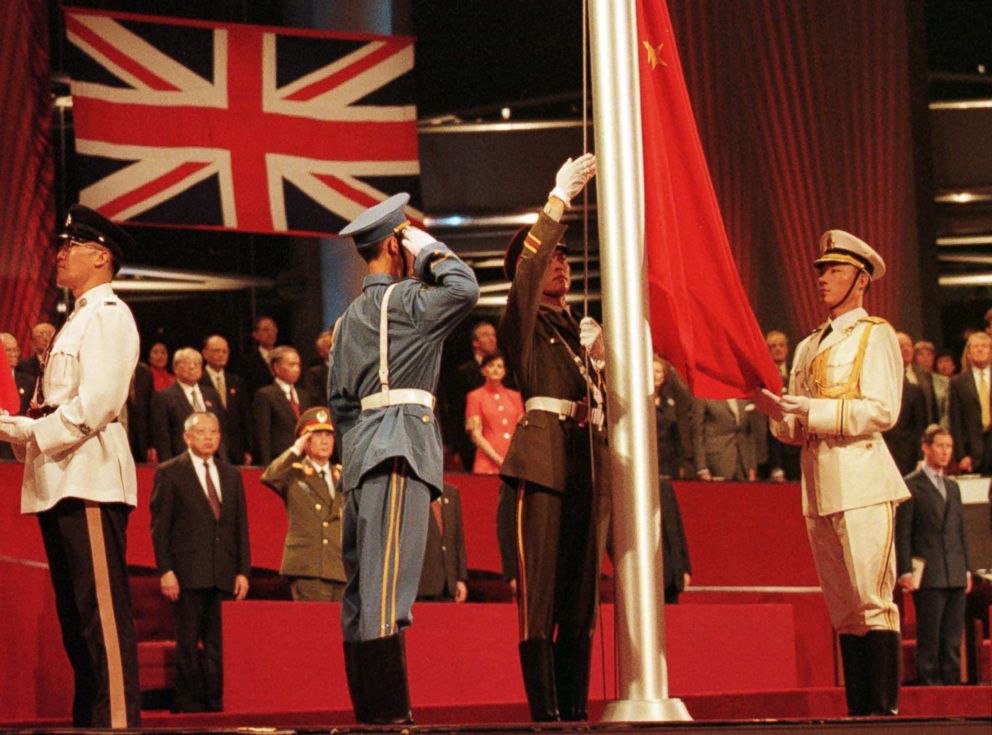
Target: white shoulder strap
(384,337)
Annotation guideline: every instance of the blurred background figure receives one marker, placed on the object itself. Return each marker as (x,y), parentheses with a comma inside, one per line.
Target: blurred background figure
(41,337)
(445,574)
(158,363)
(315,378)
(491,415)
(969,407)
(673,406)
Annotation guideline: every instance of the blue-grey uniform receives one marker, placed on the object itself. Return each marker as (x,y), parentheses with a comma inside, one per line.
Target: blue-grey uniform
(384,370)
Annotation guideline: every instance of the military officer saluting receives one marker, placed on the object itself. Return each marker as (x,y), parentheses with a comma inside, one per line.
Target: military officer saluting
(311,488)
(561,514)
(845,389)
(79,476)
(384,370)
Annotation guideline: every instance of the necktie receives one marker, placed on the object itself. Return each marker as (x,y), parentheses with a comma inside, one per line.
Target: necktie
(293,403)
(212,497)
(436,509)
(197,400)
(826,332)
(911,376)
(983,400)
(941,487)
(219,385)
(323,479)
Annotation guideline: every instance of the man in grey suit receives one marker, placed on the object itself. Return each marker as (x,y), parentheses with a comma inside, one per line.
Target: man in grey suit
(728,438)
(384,368)
(930,527)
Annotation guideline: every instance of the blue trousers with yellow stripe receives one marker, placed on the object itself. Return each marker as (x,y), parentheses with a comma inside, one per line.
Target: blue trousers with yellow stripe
(383,537)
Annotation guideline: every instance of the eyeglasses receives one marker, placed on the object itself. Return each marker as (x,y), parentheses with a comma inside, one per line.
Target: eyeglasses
(73,242)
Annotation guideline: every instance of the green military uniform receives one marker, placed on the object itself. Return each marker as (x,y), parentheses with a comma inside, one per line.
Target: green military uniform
(311,558)
(561,515)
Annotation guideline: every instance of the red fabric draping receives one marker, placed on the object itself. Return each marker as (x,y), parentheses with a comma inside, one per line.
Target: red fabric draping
(700,316)
(9,400)
(804,111)
(27,213)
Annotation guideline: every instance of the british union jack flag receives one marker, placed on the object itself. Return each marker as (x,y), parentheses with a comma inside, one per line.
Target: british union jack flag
(227,126)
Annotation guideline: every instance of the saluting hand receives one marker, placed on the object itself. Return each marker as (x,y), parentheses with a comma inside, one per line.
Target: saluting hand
(573,176)
(414,239)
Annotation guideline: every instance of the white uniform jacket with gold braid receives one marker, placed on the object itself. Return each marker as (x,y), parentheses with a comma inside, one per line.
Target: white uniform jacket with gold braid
(854,379)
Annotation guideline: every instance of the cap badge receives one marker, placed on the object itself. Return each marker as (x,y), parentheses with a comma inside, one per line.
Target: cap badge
(322,416)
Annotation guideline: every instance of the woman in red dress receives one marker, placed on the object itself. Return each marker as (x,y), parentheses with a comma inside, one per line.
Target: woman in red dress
(158,363)
(491,416)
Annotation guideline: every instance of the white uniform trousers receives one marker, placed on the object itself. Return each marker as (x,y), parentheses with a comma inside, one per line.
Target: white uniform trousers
(854,551)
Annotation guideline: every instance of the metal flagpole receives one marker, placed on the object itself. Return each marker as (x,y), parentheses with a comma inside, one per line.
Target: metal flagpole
(640,623)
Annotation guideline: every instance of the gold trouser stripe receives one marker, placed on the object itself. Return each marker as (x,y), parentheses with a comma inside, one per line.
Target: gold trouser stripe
(384,624)
(108,622)
(889,545)
(401,492)
(522,564)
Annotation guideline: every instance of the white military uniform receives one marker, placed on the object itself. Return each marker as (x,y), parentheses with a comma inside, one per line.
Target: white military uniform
(80,450)
(853,376)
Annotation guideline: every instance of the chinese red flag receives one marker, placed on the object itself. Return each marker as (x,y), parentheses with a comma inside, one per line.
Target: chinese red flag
(9,400)
(700,317)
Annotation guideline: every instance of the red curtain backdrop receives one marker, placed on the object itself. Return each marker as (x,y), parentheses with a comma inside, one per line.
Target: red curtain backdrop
(803,107)
(27,204)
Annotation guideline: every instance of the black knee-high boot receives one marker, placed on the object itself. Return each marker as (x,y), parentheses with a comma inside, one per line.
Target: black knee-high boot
(353,673)
(572,661)
(385,694)
(884,653)
(857,673)
(538,666)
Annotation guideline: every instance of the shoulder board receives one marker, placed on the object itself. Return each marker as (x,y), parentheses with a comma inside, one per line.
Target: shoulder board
(872,319)
(111,302)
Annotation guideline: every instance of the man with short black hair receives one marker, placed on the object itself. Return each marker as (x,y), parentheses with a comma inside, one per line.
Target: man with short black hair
(255,365)
(79,476)
(278,406)
(930,532)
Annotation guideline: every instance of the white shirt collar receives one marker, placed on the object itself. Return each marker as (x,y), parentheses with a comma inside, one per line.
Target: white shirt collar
(214,374)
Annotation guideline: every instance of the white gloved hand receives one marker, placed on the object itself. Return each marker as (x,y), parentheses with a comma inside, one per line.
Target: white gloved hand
(415,239)
(572,177)
(798,405)
(16,429)
(300,445)
(591,338)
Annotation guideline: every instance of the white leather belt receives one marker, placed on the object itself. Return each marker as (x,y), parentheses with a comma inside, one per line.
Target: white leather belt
(399,397)
(578,411)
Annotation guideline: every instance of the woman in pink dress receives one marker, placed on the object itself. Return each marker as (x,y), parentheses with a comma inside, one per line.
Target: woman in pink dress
(158,363)
(491,416)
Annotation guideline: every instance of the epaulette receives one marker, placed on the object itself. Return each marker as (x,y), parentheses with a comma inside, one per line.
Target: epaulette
(110,303)
(872,319)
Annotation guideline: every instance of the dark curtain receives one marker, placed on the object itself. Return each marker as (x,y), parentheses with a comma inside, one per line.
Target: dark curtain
(804,110)
(27,202)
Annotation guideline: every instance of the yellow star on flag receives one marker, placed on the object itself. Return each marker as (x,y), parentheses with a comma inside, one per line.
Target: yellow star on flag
(654,54)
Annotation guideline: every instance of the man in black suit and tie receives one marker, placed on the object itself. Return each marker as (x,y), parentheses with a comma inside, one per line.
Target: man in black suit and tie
(783,459)
(233,396)
(445,571)
(255,364)
(171,406)
(200,534)
(278,406)
(916,375)
(930,527)
(970,398)
(903,439)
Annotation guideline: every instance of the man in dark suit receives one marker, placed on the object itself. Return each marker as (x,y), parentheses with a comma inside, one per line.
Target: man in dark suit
(783,459)
(675,558)
(916,375)
(445,571)
(315,378)
(139,411)
(970,398)
(930,527)
(200,534)
(41,338)
(233,397)
(903,439)
(728,438)
(255,364)
(277,407)
(171,406)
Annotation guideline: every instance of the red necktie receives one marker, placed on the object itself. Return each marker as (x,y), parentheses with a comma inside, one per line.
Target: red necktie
(293,403)
(212,496)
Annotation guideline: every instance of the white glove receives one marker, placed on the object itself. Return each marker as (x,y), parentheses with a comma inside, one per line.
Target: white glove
(591,338)
(572,177)
(300,445)
(415,240)
(16,429)
(798,405)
